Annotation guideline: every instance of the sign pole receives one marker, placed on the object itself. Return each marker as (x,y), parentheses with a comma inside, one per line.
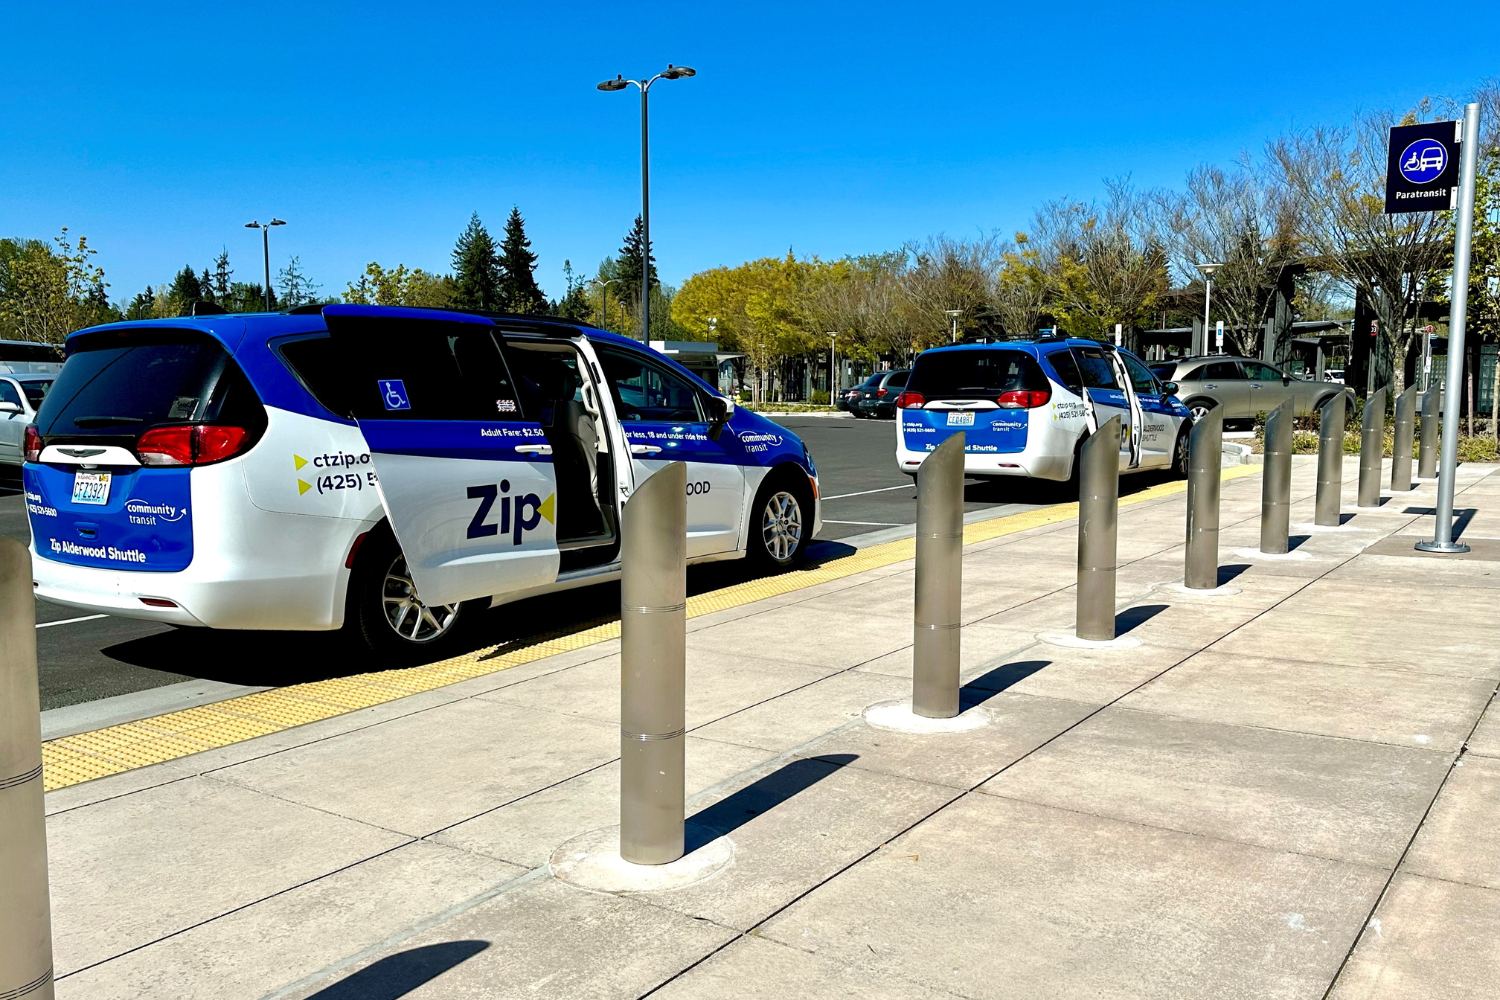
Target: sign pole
(1442,530)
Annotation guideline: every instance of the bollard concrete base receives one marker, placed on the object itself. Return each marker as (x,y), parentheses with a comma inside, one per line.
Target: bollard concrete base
(1183,590)
(592,861)
(898,717)
(1329,529)
(1296,555)
(1072,641)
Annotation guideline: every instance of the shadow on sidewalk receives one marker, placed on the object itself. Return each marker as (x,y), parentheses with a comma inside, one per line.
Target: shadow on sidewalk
(1228,572)
(762,795)
(399,974)
(997,679)
(1461,517)
(1133,618)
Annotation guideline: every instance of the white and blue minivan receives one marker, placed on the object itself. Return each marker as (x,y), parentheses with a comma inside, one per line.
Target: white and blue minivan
(385,470)
(1027,406)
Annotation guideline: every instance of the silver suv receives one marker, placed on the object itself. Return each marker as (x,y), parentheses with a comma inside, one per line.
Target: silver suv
(1242,386)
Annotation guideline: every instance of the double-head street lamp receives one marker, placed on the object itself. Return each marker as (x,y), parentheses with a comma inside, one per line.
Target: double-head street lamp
(620,83)
(1208,291)
(604,301)
(265,246)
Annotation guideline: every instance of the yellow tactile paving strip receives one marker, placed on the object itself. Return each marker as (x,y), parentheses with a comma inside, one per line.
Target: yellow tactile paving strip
(71,760)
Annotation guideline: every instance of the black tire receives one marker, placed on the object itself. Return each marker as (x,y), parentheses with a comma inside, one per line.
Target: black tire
(769,545)
(1180,456)
(1071,485)
(374,582)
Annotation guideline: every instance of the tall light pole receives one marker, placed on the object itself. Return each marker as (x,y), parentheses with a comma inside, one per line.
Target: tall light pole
(620,83)
(265,247)
(833,367)
(953,315)
(604,301)
(1208,292)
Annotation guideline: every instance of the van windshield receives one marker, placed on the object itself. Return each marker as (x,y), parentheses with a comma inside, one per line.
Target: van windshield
(982,374)
(127,382)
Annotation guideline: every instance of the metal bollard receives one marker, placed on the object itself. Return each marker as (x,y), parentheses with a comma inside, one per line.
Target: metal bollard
(1428,454)
(25,908)
(653,668)
(1276,483)
(1406,406)
(940,559)
(1331,463)
(1205,451)
(1371,448)
(1098,532)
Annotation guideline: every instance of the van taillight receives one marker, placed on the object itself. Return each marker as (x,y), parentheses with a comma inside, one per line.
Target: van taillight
(1023,399)
(33,445)
(907,399)
(198,444)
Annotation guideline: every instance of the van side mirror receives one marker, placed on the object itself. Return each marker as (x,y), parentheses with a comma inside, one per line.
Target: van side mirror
(1168,389)
(6,406)
(719,410)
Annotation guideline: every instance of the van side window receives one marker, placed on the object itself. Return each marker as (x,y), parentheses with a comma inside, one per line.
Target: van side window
(1096,369)
(645,391)
(1066,367)
(1141,378)
(317,364)
(442,374)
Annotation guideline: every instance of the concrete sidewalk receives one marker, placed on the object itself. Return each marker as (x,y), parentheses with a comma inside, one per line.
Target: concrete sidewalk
(1289,788)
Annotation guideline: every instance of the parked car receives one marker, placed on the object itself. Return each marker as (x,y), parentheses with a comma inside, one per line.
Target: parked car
(857,393)
(845,397)
(389,471)
(1026,408)
(1334,375)
(1241,386)
(878,395)
(20,396)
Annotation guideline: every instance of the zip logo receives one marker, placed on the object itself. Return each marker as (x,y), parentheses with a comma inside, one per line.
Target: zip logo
(518,515)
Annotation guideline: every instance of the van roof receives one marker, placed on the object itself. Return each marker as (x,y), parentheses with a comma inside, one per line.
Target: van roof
(231,329)
(1033,347)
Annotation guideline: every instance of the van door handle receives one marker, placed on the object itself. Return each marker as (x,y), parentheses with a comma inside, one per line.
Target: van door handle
(533,449)
(645,449)
(1255,385)
(1210,385)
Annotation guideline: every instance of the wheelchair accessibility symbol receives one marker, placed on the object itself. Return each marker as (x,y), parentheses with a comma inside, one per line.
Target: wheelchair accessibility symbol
(393,394)
(1423,161)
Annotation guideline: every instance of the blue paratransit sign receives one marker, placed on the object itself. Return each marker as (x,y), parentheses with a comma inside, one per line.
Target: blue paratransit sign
(1422,171)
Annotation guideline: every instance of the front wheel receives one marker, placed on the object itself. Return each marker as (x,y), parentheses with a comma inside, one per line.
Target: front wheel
(780,524)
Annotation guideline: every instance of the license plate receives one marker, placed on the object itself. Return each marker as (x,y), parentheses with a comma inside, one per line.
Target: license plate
(960,418)
(91,488)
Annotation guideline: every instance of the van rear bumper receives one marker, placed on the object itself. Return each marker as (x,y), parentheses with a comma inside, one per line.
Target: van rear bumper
(298,603)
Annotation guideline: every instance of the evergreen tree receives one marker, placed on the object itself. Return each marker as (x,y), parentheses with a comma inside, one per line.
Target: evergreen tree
(629,263)
(186,287)
(143,306)
(296,289)
(476,269)
(518,288)
(223,277)
(575,301)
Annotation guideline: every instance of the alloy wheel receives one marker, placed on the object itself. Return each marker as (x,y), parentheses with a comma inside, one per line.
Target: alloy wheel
(407,614)
(781,526)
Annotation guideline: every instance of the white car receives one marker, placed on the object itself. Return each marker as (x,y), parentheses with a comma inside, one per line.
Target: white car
(1335,375)
(20,397)
(1026,407)
(381,469)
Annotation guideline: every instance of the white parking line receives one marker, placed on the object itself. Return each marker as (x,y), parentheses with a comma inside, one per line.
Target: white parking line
(872,524)
(883,489)
(70,621)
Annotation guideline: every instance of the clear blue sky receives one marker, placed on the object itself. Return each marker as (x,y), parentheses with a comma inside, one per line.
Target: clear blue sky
(376,128)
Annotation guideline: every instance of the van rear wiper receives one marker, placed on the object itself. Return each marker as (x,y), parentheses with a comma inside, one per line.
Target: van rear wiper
(104,420)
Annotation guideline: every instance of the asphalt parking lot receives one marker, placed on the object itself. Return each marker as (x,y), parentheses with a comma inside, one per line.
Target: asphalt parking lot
(84,658)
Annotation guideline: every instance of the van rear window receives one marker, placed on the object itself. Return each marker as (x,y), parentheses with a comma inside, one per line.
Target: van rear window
(981,374)
(121,383)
